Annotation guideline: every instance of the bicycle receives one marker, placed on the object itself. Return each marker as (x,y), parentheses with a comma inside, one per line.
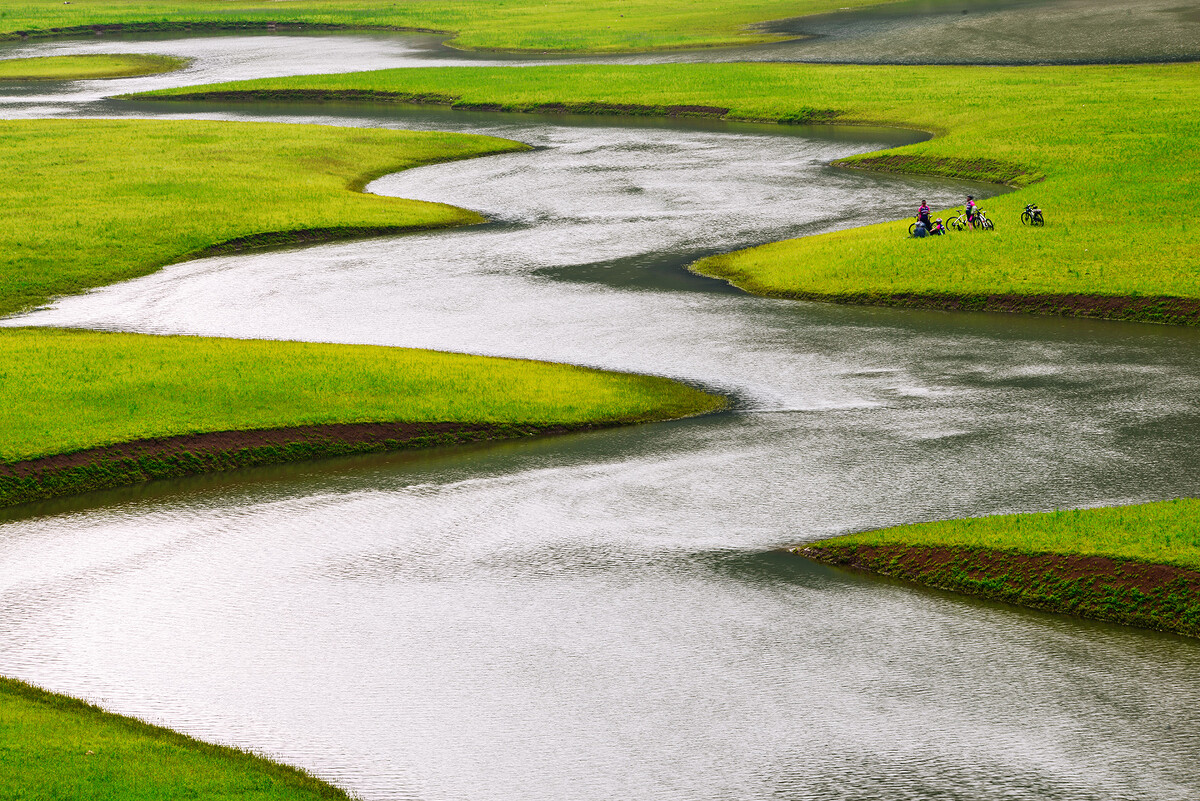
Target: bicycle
(958,222)
(982,222)
(1032,216)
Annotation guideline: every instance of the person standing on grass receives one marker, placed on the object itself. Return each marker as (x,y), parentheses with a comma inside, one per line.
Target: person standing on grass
(923,215)
(971,210)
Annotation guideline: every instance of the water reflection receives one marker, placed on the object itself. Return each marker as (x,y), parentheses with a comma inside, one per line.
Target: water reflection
(601,615)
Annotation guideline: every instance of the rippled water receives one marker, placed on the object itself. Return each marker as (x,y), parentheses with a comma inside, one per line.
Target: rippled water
(601,616)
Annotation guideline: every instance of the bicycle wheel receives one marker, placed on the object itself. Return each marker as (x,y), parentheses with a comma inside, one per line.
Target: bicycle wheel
(987,224)
(911,229)
(957,223)
(1026,218)
(1038,219)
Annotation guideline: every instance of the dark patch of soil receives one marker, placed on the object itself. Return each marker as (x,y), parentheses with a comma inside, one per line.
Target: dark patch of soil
(977,169)
(1142,309)
(1156,596)
(192,454)
(433,99)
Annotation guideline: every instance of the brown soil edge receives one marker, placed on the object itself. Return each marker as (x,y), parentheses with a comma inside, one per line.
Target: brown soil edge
(1160,309)
(193,454)
(1152,596)
(281,773)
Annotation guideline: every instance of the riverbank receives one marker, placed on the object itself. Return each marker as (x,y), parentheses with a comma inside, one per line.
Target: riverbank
(1137,565)
(58,747)
(597,26)
(88,410)
(91,202)
(1080,141)
(86,67)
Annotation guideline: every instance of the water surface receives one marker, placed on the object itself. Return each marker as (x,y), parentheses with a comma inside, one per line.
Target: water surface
(602,615)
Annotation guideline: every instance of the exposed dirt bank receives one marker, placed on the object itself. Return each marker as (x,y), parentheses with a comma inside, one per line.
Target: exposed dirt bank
(1152,596)
(1144,309)
(432,99)
(192,454)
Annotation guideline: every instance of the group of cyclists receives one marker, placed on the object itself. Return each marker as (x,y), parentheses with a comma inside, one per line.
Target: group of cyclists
(927,227)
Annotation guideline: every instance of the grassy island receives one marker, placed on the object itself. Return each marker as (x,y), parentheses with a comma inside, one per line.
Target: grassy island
(87,410)
(56,747)
(95,201)
(90,202)
(1112,153)
(529,25)
(85,67)
(1138,565)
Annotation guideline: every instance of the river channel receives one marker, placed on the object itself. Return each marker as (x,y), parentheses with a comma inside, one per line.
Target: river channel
(605,615)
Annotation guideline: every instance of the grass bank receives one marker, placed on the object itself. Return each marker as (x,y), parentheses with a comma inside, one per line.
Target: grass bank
(90,202)
(56,747)
(79,68)
(86,410)
(544,25)
(1111,153)
(1138,565)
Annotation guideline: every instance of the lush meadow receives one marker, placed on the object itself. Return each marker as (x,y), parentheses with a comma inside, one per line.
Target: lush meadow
(1112,155)
(57,747)
(79,68)
(1167,532)
(67,390)
(89,202)
(541,25)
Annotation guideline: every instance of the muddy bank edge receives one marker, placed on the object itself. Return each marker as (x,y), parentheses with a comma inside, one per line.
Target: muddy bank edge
(1152,596)
(193,454)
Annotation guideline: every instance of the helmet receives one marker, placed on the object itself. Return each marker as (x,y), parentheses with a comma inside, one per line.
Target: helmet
(970,197)
(939,219)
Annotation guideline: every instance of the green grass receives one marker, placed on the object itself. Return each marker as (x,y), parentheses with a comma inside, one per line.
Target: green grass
(78,68)
(1111,153)
(90,202)
(564,25)
(1166,532)
(55,747)
(67,390)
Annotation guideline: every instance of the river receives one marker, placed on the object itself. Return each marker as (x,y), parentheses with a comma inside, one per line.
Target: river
(604,615)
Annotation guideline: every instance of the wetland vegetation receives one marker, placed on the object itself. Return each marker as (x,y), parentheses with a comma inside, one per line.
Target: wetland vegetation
(1109,152)
(558,25)
(90,202)
(86,67)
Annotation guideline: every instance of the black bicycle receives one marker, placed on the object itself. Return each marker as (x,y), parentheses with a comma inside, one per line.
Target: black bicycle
(1032,216)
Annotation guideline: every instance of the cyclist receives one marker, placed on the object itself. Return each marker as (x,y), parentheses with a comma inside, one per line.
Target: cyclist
(938,229)
(971,210)
(923,215)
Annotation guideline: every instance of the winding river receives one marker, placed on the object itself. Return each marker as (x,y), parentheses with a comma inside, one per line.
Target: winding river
(604,615)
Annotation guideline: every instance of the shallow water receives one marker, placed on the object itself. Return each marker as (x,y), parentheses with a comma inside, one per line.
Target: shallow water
(601,615)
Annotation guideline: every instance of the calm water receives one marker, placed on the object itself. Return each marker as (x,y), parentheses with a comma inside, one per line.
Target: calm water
(602,616)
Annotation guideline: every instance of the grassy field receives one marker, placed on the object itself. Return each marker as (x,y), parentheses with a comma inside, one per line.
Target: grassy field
(67,390)
(1167,533)
(78,68)
(1112,154)
(89,202)
(56,747)
(540,25)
